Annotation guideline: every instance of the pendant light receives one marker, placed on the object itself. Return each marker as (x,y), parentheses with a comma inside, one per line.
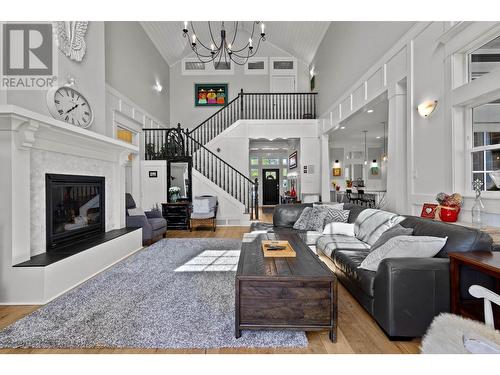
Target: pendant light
(366,154)
(384,154)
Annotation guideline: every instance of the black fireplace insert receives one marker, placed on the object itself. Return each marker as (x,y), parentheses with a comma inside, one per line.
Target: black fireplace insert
(75,209)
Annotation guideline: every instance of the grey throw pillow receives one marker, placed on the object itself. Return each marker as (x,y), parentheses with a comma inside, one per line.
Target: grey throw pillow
(396,230)
(302,221)
(334,215)
(404,247)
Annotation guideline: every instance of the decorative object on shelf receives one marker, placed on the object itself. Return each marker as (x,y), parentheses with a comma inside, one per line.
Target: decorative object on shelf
(348,183)
(478,207)
(67,104)
(292,160)
(210,95)
(449,206)
(153,174)
(174,193)
(71,37)
(495,177)
(426,108)
(224,50)
(429,210)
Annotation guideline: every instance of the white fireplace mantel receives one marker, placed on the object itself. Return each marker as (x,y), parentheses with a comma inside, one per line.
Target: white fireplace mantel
(31,145)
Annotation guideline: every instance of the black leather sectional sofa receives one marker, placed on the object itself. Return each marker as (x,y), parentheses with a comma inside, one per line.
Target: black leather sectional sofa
(404,294)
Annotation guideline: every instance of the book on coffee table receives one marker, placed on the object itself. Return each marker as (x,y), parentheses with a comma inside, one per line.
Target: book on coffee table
(277,249)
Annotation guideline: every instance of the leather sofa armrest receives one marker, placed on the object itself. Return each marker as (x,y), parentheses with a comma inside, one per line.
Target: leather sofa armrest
(409,293)
(153,214)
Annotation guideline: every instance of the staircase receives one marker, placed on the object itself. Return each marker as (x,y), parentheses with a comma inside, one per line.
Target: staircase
(251,106)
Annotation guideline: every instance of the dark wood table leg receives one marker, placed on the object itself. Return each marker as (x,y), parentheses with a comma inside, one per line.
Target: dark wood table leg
(455,286)
(237,331)
(334,299)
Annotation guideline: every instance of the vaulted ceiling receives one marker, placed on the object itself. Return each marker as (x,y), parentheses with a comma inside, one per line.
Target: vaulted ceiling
(300,39)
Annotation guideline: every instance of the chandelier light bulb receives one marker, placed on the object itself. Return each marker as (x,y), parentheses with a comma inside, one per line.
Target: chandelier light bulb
(185,24)
(262,28)
(250,45)
(194,39)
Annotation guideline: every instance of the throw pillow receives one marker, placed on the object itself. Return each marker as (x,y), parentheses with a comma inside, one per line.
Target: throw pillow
(396,230)
(343,229)
(302,221)
(136,211)
(371,223)
(333,215)
(201,206)
(404,247)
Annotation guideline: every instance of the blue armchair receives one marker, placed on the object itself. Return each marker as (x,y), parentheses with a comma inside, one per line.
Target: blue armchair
(153,225)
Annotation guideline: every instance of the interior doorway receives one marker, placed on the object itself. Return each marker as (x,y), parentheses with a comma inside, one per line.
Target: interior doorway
(270,186)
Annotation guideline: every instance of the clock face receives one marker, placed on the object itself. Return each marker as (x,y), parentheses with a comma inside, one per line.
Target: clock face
(69,105)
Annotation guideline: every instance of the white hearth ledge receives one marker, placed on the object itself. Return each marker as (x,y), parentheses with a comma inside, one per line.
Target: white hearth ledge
(31,145)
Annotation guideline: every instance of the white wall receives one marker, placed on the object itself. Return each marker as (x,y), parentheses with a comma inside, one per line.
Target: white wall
(348,50)
(182,87)
(89,75)
(134,65)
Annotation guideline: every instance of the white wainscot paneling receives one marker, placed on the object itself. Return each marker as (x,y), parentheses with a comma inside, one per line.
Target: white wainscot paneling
(126,109)
(375,84)
(358,97)
(396,67)
(336,114)
(345,107)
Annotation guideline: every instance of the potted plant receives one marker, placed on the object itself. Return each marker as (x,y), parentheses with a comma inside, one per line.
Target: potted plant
(174,193)
(449,206)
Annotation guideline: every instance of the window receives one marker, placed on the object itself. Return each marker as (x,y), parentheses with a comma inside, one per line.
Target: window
(254,160)
(285,172)
(283,65)
(484,59)
(193,66)
(284,161)
(256,66)
(254,173)
(485,142)
(268,161)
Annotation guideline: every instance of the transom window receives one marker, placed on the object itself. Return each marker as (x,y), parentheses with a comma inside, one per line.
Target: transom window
(484,59)
(486,143)
(270,161)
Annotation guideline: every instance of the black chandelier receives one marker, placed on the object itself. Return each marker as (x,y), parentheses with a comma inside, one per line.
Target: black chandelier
(224,49)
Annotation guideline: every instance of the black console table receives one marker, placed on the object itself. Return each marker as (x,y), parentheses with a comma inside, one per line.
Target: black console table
(177,215)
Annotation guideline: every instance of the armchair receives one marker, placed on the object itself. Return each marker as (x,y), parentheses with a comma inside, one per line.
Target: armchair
(153,225)
(203,212)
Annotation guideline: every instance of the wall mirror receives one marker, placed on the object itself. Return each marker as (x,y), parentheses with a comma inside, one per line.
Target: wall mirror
(179,180)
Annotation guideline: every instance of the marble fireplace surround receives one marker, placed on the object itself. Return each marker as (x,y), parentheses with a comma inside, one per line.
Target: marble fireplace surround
(32,145)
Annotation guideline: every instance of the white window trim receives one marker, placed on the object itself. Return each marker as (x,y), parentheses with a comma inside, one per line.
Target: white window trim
(464,96)
(209,69)
(282,72)
(262,72)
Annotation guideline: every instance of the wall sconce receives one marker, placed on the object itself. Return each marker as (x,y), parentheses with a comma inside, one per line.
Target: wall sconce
(426,108)
(158,87)
(336,164)
(374,163)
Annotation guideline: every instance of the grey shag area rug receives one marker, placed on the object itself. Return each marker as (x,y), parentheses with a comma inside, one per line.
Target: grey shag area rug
(178,293)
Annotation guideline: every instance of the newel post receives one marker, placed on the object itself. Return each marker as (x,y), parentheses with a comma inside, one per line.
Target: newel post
(241,103)
(256,198)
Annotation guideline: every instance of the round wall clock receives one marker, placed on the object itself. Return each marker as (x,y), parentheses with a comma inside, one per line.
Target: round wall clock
(67,104)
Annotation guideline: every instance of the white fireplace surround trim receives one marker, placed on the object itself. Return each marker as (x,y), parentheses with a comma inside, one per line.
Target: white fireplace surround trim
(27,140)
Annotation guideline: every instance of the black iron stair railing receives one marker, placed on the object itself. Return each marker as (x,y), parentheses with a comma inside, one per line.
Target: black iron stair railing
(256,106)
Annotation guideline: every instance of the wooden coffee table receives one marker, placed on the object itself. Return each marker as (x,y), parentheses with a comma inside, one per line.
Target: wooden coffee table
(284,293)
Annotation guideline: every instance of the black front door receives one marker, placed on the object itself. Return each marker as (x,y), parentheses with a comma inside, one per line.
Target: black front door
(270,186)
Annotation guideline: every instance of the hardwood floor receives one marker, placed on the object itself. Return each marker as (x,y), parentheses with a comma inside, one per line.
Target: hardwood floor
(357,331)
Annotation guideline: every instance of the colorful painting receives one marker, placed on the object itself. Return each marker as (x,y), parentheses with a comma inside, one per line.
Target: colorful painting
(210,94)
(337,172)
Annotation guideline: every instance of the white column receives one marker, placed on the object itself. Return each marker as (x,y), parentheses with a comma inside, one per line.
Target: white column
(325,168)
(397,136)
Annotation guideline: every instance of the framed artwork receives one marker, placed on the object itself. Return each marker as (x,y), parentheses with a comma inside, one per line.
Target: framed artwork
(374,171)
(153,174)
(337,172)
(210,94)
(292,160)
(429,210)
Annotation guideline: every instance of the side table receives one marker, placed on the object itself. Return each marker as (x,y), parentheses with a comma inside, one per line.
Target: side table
(487,262)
